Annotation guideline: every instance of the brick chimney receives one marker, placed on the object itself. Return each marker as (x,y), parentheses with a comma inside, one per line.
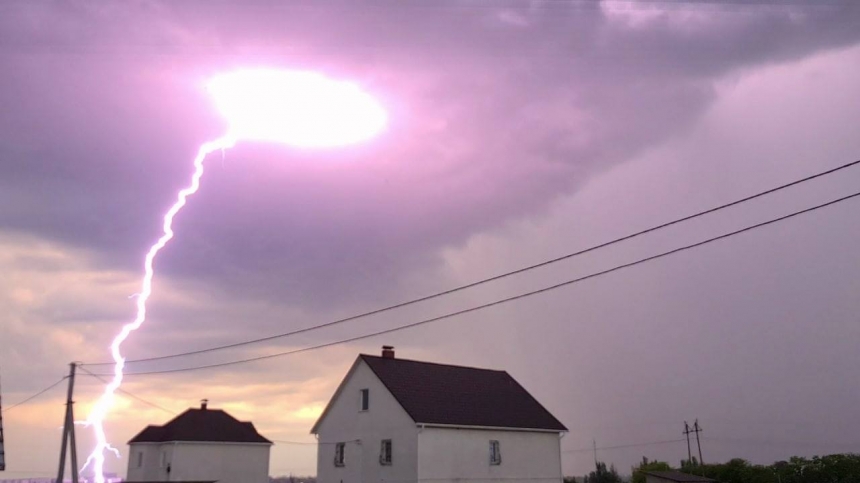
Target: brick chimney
(388,351)
(203,404)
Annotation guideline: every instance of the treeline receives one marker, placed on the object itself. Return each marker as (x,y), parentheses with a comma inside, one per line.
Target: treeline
(834,468)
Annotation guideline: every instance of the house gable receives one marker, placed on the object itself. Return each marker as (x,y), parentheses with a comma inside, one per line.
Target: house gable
(346,401)
(379,443)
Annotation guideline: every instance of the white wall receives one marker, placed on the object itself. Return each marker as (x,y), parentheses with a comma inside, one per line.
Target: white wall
(385,419)
(151,469)
(462,455)
(222,462)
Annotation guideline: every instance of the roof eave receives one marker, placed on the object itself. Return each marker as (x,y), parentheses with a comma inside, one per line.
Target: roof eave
(267,442)
(489,428)
(659,474)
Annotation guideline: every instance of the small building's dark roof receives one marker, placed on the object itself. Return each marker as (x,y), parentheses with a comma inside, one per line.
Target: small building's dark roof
(201,425)
(461,396)
(165,481)
(679,477)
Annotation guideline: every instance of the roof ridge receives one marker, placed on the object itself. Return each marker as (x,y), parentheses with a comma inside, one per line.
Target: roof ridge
(434,363)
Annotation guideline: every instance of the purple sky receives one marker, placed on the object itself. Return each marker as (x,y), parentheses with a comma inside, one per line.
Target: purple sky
(519,131)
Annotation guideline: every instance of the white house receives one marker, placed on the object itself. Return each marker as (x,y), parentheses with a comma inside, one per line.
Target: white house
(399,420)
(201,445)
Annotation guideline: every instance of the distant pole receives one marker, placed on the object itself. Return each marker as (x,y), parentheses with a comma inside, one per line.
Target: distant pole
(698,429)
(69,432)
(689,451)
(594,445)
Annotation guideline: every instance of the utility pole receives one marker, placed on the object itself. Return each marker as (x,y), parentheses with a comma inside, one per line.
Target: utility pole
(69,432)
(594,445)
(687,432)
(2,452)
(698,429)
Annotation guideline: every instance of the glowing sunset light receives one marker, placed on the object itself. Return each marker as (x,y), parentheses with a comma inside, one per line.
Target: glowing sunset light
(298,108)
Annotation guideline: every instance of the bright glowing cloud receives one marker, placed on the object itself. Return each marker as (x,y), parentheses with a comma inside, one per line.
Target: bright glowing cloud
(309,412)
(298,108)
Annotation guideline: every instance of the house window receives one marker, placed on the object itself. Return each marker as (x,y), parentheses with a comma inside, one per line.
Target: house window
(495,453)
(385,452)
(365,399)
(139,459)
(338,454)
(164,459)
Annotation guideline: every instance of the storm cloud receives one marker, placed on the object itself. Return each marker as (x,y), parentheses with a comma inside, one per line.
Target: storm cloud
(517,131)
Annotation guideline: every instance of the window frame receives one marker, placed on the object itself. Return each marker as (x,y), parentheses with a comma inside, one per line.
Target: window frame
(386,452)
(340,455)
(495,452)
(363,400)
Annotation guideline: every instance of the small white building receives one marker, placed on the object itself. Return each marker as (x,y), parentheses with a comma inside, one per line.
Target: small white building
(673,476)
(201,445)
(399,420)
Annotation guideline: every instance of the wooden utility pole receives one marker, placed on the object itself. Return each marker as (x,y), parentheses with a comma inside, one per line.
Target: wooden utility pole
(687,432)
(69,432)
(2,452)
(698,429)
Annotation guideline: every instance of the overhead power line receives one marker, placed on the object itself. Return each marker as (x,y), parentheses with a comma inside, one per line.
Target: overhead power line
(620,446)
(506,299)
(150,403)
(34,396)
(314,443)
(493,278)
(127,393)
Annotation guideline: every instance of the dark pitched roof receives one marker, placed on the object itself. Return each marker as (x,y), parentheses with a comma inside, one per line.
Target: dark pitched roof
(461,396)
(205,425)
(165,481)
(678,476)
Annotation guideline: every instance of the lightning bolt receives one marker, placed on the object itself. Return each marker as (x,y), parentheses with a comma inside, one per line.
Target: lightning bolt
(92,457)
(105,402)
(295,108)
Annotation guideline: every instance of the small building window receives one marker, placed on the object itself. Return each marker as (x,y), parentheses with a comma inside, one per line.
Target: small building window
(164,459)
(140,459)
(338,454)
(365,399)
(385,452)
(495,453)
